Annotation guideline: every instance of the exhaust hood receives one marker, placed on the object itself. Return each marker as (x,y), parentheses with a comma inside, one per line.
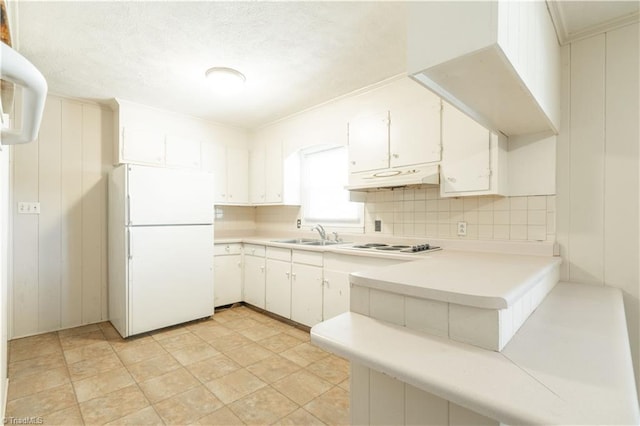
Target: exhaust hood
(420,174)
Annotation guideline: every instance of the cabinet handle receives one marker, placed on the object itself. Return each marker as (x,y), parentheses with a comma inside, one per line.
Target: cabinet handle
(325,282)
(293,275)
(230,195)
(262,268)
(288,274)
(353,163)
(452,179)
(228,248)
(223,195)
(396,156)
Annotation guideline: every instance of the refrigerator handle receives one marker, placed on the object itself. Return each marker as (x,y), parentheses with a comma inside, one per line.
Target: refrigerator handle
(129,244)
(128,209)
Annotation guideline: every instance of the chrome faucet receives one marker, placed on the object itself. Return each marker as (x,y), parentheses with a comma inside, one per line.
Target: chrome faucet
(321,231)
(337,237)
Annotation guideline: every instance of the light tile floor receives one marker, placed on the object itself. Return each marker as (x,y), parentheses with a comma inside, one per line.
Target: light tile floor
(239,367)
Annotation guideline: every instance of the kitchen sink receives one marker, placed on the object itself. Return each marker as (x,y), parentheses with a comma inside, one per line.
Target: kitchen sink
(322,243)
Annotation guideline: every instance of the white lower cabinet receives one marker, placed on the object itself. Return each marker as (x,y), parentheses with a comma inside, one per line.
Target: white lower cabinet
(278,288)
(227,274)
(254,275)
(306,287)
(335,296)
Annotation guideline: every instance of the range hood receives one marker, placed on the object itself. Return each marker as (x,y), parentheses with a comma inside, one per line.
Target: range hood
(420,174)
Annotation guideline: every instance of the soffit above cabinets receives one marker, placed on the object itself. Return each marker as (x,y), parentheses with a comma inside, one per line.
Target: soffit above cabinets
(575,20)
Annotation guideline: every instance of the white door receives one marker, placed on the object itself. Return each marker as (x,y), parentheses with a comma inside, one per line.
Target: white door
(160,196)
(466,155)
(227,280)
(254,280)
(415,131)
(170,275)
(274,165)
(257,174)
(369,143)
(306,294)
(278,288)
(219,167)
(335,294)
(237,175)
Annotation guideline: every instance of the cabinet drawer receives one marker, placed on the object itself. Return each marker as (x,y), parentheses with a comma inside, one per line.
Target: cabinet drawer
(254,250)
(279,253)
(227,249)
(307,257)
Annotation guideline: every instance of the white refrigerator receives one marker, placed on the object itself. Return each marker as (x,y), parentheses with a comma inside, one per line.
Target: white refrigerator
(160,247)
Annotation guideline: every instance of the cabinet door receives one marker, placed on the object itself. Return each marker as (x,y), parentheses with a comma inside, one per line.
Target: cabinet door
(237,175)
(254,280)
(415,131)
(335,294)
(369,143)
(142,145)
(227,280)
(182,152)
(278,288)
(257,185)
(216,161)
(466,154)
(274,166)
(306,294)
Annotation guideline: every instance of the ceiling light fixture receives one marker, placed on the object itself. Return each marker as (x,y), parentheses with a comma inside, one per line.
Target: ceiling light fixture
(226,79)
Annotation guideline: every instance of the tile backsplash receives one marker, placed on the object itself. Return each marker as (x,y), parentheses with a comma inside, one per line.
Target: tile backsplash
(417,212)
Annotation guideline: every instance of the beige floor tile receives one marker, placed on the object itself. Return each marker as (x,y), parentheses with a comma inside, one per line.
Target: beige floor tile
(92,366)
(273,368)
(299,417)
(241,323)
(93,351)
(165,333)
(249,354)
(188,407)
(141,352)
(304,354)
(106,325)
(179,341)
(212,331)
(113,405)
(68,416)
(34,347)
(119,344)
(280,342)
(332,407)
(42,403)
(28,385)
(212,368)
(221,417)
(235,385)
(146,416)
(259,332)
(29,367)
(298,334)
(345,385)
(227,315)
(263,407)
(168,385)
(111,335)
(154,367)
(102,384)
(194,353)
(230,342)
(84,339)
(78,330)
(302,386)
(331,369)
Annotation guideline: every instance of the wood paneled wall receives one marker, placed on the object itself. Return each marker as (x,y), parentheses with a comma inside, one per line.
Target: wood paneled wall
(598,225)
(60,255)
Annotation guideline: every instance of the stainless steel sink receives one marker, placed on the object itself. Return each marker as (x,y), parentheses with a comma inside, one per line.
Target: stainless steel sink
(321,243)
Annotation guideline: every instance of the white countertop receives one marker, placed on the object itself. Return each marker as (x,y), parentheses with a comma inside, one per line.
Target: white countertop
(569,363)
(483,280)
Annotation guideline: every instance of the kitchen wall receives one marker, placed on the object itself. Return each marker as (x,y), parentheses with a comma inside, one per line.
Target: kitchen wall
(60,255)
(421,213)
(598,183)
(235,221)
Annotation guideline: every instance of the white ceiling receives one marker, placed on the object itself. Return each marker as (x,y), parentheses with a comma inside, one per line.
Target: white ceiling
(294,54)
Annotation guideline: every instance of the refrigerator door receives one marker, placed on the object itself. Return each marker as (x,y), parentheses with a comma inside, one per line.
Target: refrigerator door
(160,196)
(170,275)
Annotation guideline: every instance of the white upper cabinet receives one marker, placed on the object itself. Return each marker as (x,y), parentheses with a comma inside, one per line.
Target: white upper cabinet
(274,166)
(141,145)
(369,143)
(408,134)
(182,152)
(230,167)
(415,131)
(498,61)
(474,159)
(257,185)
(273,179)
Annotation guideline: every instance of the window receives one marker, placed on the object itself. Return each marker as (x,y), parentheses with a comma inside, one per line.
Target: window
(324,200)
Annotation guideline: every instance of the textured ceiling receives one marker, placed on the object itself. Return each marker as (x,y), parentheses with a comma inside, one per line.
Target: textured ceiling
(294,54)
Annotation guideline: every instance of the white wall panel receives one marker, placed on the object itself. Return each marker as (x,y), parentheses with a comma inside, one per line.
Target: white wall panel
(60,258)
(587,160)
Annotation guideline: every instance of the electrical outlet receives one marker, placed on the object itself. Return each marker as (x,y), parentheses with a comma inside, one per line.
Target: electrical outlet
(462,229)
(378,225)
(299,223)
(28,207)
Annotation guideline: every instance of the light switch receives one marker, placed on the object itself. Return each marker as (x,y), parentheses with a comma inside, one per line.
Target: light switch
(28,207)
